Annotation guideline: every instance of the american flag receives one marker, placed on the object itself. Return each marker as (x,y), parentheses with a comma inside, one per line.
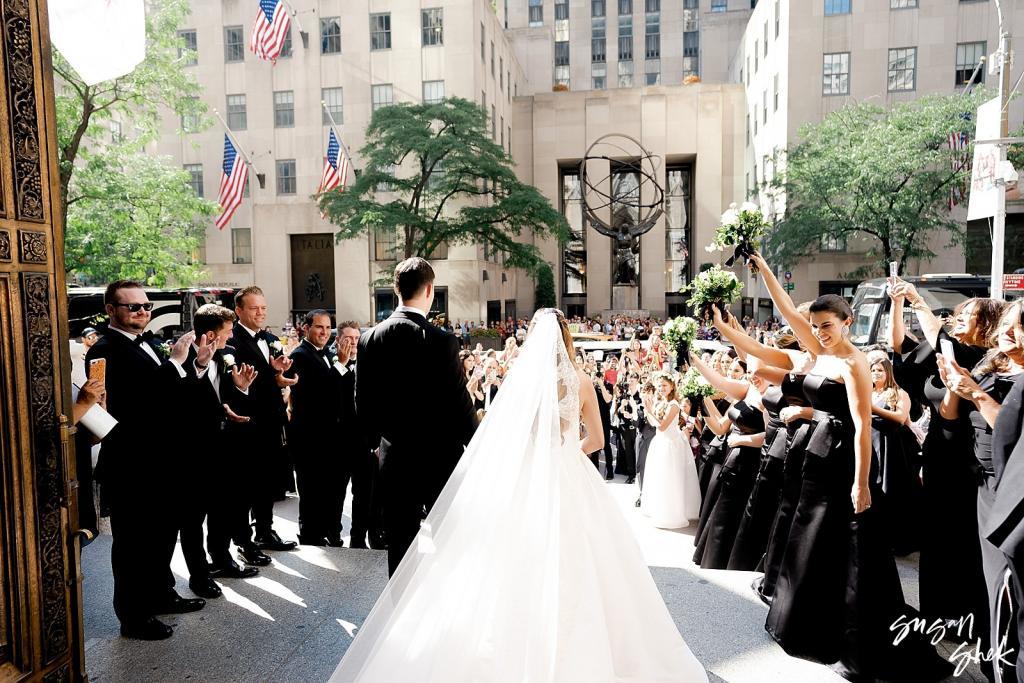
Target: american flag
(959,144)
(269,30)
(232,183)
(336,166)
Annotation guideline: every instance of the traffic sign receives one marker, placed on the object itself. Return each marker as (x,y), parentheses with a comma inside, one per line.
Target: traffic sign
(1013,281)
(789,275)
(789,286)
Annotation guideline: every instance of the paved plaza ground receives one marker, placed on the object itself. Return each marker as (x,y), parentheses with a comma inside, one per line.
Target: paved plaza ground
(294,621)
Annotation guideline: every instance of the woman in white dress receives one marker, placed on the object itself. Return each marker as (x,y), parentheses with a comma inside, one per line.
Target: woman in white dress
(525,569)
(671,486)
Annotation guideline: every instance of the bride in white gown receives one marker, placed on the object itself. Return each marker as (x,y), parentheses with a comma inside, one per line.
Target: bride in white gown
(525,570)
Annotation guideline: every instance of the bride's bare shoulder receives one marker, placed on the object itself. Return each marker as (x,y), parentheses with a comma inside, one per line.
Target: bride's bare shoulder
(587,392)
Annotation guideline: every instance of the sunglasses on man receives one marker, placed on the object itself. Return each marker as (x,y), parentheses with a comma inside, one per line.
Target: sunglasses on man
(135,308)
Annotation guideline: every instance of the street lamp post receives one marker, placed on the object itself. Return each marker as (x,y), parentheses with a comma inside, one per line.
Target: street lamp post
(999,224)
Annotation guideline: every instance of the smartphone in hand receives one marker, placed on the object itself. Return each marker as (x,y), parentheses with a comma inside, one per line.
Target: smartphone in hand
(98,369)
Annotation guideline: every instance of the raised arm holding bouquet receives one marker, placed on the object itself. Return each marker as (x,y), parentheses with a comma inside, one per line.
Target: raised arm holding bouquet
(713,287)
(741,229)
(679,333)
(735,389)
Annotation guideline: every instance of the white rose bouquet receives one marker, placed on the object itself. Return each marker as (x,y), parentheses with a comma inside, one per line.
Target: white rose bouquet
(679,333)
(713,287)
(741,229)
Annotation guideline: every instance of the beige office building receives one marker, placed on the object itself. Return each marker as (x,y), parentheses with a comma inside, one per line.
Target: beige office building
(799,60)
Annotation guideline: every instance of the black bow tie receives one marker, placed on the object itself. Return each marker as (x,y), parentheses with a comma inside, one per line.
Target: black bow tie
(143,338)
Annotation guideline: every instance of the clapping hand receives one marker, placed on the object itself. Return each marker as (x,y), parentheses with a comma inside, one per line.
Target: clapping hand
(281,363)
(283,381)
(179,350)
(233,417)
(243,376)
(204,352)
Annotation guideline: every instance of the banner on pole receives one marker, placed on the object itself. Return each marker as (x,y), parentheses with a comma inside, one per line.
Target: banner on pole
(984,191)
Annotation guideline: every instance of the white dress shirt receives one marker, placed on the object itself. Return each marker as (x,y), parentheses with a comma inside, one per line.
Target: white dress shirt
(262,343)
(149,351)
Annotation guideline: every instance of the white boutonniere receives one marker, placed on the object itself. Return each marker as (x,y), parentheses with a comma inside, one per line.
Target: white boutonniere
(277,346)
(334,360)
(229,360)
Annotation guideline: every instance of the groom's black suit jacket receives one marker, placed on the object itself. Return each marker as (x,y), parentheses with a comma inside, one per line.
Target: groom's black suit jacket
(316,399)
(411,398)
(266,406)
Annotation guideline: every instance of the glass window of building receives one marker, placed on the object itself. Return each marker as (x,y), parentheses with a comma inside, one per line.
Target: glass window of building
(597,8)
(195,178)
(764,107)
(433,26)
(190,122)
(381,96)
(385,244)
(625,38)
(334,99)
(775,96)
(597,40)
(719,5)
(286,176)
(902,4)
(677,241)
(691,43)
(652,5)
(241,245)
(652,36)
(625,73)
(652,72)
(380,31)
(748,130)
(492,59)
(837,7)
(330,36)
(777,18)
(625,7)
(536,13)
(284,109)
(561,10)
(286,46)
(116,134)
(189,47)
(562,54)
(237,118)
(833,243)
(835,70)
(902,69)
(388,186)
(968,56)
(494,132)
(234,44)
(501,73)
(598,76)
(757,57)
(433,92)
(624,206)
(574,254)
(483,43)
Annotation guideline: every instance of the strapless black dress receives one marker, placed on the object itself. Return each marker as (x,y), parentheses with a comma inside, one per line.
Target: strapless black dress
(899,506)
(735,482)
(763,503)
(712,455)
(797,433)
(838,589)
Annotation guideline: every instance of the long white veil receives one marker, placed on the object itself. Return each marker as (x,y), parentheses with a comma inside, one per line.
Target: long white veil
(485,569)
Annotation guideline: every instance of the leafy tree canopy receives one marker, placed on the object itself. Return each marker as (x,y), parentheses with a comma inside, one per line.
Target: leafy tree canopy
(875,173)
(447,182)
(544,292)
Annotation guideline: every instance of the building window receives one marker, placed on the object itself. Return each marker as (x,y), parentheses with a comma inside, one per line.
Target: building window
(574,254)
(652,37)
(677,250)
(652,72)
(189,47)
(330,36)
(286,46)
(561,10)
(385,244)
(748,130)
(625,38)
(902,69)
(387,185)
(598,76)
(433,92)
(433,26)
(380,31)
(501,131)
(757,57)
(597,40)
(494,121)
(381,96)
(234,44)
(195,178)
(777,18)
(286,176)
(625,73)
(764,107)
(492,59)
(748,71)
(756,119)
(237,119)
(501,74)
(334,98)
(284,109)
(765,41)
(719,5)
(536,12)
(483,43)
(625,201)
(562,54)
(241,245)
(625,7)
(968,56)
(775,95)
(199,253)
(832,243)
(837,7)
(190,122)
(902,4)
(691,43)
(597,8)
(836,74)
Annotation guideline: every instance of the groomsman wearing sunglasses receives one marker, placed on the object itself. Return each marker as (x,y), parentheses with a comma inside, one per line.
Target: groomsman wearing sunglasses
(139,460)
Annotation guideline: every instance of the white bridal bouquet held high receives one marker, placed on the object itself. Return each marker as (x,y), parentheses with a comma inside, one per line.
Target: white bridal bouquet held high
(742,229)
(679,333)
(713,287)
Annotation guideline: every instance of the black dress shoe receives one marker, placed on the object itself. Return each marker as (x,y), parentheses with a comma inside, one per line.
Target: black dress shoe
(205,588)
(176,604)
(631,480)
(231,570)
(609,476)
(150,629)
(253,556)
(361,545)
(271,541)
(312,540)
(378,542)
(337,542)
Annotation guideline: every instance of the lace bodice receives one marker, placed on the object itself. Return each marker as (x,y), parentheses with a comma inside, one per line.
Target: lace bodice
(568,397)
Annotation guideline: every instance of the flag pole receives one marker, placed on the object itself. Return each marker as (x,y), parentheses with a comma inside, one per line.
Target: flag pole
(295,17)
(252,198)
(334,128)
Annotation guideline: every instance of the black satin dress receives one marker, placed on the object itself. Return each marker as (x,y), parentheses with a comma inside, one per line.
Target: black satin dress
(797,433)
(899,506)
(735,482)
(710,459)
(838,589)
(763,503)
(950,575)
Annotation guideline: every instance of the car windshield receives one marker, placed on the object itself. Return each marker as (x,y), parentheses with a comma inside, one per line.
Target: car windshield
(870,303)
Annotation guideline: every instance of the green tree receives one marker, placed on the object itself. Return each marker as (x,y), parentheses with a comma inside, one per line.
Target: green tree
(453,185)
(544,293)
(875,173)
(133,216)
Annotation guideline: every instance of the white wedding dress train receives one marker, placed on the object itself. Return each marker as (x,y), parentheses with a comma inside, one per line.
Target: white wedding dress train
(526,571)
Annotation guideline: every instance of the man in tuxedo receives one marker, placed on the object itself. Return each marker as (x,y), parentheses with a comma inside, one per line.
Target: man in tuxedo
(262,439)
(218,392)
(411,396)
(361,461)
(139,461)
(313,434)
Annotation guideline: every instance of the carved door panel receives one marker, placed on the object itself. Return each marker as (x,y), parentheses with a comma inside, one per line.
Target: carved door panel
(40,603)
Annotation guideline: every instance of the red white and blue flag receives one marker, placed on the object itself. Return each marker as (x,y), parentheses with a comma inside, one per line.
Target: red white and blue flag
(270,29)
(336,166)
(232,183)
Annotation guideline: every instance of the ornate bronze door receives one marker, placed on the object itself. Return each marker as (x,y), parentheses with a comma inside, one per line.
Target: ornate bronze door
(40,599)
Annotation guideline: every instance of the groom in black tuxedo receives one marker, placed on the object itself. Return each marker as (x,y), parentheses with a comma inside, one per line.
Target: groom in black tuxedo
(411,396)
